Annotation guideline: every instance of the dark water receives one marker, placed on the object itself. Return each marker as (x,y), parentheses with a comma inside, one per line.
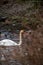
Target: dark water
(12,62)
(9,35)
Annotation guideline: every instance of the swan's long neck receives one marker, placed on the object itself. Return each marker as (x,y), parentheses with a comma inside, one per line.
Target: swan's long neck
(20,42)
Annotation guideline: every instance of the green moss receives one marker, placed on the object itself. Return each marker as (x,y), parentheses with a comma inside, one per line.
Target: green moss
(25,20)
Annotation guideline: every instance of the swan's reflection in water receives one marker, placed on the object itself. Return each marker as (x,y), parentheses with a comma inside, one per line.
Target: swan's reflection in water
(12,62)
(6,57)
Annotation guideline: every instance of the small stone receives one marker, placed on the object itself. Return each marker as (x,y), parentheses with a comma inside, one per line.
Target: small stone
(38,49)
(26,54)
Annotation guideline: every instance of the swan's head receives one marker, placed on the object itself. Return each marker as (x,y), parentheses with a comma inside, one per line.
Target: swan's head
(22,31)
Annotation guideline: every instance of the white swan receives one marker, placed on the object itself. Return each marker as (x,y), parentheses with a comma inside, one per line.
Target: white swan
(7,42)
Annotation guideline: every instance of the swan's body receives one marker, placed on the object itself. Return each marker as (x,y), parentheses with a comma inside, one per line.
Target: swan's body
(7,42)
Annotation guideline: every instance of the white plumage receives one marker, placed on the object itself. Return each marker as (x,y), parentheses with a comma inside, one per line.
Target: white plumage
(7,42)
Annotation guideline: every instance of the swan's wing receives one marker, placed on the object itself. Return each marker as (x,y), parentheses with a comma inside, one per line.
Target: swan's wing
(7,42)
(0,43)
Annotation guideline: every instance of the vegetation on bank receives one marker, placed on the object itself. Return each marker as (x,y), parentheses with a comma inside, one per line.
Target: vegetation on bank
(29,18)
